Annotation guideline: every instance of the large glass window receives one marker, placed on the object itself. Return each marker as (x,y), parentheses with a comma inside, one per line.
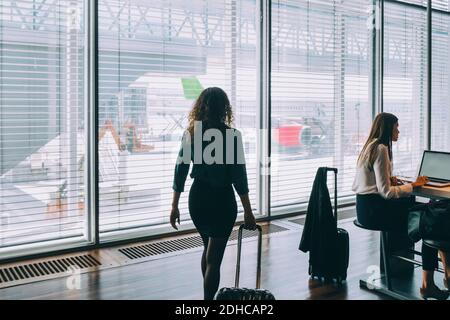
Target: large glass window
(320,93)
(42,122)
(155,57)
(405,80)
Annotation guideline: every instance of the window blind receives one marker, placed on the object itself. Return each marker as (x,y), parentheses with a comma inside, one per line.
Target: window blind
(320,93)
(440,110)
(155,57)
(42,134)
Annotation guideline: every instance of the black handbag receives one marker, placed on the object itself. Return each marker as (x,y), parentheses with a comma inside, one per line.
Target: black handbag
(430,221)
(236,293)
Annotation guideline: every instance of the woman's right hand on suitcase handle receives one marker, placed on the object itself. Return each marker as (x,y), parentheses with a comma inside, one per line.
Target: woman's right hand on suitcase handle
(249,220)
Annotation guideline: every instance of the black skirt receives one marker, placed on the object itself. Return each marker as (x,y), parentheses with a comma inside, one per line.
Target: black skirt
(213,210)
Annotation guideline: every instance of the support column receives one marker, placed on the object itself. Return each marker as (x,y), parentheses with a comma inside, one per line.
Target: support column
(72,106)
(263,146)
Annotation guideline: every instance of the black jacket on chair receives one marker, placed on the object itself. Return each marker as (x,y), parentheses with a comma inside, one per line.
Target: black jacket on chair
(320,231)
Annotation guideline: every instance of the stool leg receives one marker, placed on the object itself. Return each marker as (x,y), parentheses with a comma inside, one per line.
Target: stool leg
(387,267)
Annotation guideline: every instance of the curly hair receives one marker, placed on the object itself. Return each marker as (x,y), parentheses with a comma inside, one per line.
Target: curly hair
(213,108)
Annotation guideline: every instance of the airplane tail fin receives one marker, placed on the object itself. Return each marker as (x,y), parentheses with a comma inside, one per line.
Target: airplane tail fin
(191,87)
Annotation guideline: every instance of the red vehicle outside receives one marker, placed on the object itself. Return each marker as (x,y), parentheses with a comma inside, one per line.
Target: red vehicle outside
(299,134)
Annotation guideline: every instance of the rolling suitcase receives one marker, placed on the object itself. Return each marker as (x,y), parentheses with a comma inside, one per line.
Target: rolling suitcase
(341,257)
(236,293)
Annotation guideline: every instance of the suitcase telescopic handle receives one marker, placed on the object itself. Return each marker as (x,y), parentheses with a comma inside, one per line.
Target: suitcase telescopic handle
(335,170)
(238,264)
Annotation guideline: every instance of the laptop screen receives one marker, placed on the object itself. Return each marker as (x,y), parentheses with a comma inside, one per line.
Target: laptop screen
(436,165)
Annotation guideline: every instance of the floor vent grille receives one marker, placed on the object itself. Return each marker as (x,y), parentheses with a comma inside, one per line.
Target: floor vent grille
(46,268)
(167,246)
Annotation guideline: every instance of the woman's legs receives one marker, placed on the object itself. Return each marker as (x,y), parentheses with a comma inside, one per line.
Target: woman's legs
(429,264)
(205,240)
(392,215)
(445,258)
(429,255)
(213,211)
(214,256)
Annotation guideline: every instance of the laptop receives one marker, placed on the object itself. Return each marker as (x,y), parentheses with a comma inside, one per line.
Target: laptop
(436,166)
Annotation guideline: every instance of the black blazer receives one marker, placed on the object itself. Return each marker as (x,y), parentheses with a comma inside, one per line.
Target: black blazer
(320,231)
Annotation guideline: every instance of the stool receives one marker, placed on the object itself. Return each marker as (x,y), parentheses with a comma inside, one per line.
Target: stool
(384,252)
(437,244)
(387,267)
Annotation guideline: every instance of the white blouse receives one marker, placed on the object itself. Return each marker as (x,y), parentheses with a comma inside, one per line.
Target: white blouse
(379,179)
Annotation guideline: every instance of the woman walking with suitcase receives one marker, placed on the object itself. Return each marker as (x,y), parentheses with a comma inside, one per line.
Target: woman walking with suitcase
(217,153)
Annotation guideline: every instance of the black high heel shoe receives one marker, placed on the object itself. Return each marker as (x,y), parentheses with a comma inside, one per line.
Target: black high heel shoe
(434,292)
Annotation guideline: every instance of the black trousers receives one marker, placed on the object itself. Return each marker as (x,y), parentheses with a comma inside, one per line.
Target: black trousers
(375,212)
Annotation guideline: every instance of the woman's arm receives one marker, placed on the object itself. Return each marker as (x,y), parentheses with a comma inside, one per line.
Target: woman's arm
(179,178)
(249,218)
(238,168)
(240,181)
(175,213)
(382,169)
(182,166)
(420,181)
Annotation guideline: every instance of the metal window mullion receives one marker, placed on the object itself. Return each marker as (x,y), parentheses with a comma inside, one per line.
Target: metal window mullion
(380,59)
(260,103)
(268,61)
(92,123)
(373,61)
(260,100)
(264,132)
(429,72)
